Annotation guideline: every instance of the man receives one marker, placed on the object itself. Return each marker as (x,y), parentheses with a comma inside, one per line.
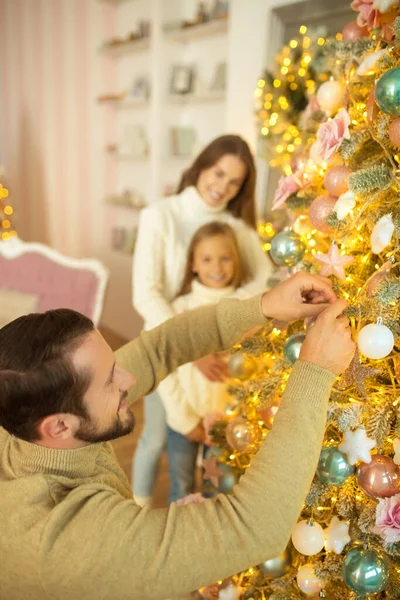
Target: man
(69,528)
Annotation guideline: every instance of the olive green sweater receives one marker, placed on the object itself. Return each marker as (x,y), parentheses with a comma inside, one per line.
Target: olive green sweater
(70,530)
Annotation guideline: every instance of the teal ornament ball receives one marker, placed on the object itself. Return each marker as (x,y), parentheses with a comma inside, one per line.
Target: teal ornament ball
(228,479)
(287,249)
(278,566)
(333,468)
(387,92)
(292,347)
(365,571)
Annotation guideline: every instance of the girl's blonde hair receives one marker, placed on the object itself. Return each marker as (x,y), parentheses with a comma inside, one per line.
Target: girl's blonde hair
(207,231)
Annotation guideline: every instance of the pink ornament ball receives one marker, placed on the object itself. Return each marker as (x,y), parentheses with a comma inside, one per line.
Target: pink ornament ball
(320,210)
(394,132)
(336,180)
(352,32)
(380,478)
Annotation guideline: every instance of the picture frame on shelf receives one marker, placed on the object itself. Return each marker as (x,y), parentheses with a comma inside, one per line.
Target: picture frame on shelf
(134,142)
(182,141)
(123,239)
(218,82)
(140,90)
(182,79)
(220,9)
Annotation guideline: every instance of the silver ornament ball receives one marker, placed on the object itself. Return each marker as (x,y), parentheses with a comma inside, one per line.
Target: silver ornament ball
(287,249)
(292,347)
(278,566)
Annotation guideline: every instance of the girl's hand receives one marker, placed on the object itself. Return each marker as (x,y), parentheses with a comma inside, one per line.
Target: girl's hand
(212,367)
(198,433)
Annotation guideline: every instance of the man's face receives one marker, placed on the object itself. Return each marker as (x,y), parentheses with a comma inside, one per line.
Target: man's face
(105,399)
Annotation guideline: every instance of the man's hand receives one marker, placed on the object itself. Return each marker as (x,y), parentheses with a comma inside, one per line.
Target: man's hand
(198,433)
(328,343)
(212,367)
(301,296)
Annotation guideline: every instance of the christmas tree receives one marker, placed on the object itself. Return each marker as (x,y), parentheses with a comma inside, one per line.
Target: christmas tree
(6,212)
(340,190)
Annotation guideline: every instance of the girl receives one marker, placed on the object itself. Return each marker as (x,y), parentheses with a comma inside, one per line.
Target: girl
(213,271)
(218,186)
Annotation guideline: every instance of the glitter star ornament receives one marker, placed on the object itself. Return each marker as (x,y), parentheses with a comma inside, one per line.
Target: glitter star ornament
(396,447)
(334,263)
(211,471)
(337,535)
(357,446)
(356,374)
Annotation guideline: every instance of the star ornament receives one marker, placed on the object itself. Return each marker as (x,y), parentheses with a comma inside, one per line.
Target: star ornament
(396,447)
(334,263)
(357,446)
(356,374)
(211,470)
(337,535)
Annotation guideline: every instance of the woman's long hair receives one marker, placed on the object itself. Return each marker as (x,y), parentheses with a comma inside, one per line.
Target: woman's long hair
(207,231)
(242,205)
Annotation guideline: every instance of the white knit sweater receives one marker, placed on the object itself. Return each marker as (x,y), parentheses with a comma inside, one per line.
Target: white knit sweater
(187,395)
(165,231)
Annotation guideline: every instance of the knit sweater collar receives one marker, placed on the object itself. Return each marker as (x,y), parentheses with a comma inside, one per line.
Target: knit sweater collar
(211,294)
(28,458)
(192,202)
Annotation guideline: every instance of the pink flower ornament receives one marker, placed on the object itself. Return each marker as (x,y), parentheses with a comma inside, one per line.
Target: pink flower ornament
(288,185)
(387,523)
(332,133)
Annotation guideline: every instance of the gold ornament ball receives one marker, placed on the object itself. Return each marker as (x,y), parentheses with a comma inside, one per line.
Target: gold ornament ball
(240,366)
(242,434)
(394,132)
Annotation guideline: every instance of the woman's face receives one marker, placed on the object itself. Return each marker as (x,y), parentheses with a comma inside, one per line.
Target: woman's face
(220,183)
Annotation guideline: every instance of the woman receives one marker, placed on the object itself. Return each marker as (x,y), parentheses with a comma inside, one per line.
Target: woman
(218,186)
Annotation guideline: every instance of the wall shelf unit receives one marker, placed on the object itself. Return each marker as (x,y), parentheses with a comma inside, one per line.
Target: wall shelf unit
(116,50)
(195,32)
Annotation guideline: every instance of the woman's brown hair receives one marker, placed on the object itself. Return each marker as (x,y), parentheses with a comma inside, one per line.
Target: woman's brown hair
(207,231)
(242,205)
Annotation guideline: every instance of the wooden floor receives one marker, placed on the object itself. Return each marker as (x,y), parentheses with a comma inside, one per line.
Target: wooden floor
(125,447)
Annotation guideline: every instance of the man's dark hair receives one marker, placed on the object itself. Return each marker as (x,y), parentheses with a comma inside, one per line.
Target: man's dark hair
(37,378)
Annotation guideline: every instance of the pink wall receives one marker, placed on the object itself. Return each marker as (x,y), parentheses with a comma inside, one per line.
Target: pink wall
(52,132)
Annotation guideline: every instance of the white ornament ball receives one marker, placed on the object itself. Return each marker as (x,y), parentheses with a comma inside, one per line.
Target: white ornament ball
(382,233)
(308,538)
(330,96)
(307,580)
(375,341)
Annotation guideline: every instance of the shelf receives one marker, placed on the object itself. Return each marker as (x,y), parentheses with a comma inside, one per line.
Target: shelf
(127,157)
(215,27)
(208,97)
(125,104)
(127,47)
(114,1)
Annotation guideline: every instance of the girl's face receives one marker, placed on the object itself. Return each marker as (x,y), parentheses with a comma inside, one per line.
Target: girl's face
(218,184)
(214,261)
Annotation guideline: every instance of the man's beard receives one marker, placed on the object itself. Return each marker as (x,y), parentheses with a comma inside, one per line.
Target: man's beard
(88,433)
